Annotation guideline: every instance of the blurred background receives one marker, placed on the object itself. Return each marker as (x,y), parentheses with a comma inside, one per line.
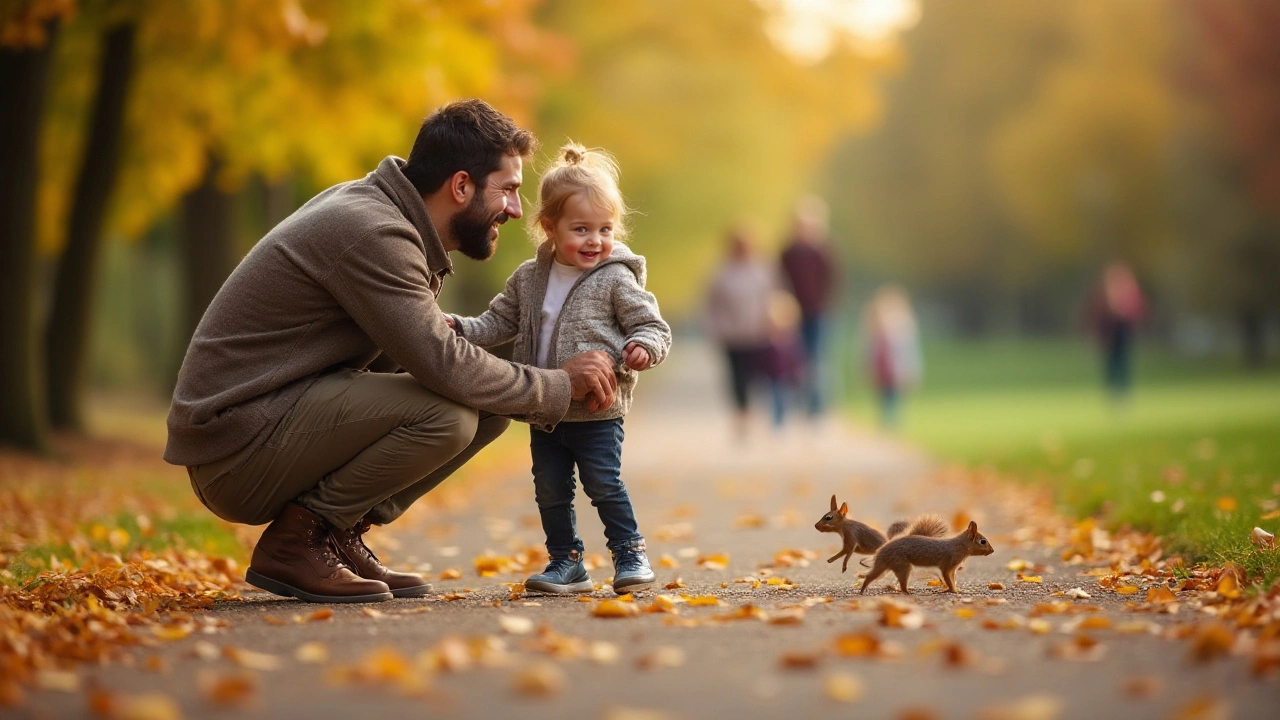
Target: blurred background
(989,159)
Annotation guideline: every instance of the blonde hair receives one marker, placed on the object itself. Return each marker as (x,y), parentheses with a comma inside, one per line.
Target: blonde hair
(577,170)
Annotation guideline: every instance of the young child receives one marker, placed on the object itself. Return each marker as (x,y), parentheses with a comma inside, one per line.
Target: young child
(583,290)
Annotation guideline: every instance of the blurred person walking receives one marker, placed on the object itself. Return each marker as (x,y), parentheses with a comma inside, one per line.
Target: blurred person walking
(1114,312)
(893,350)
(809,268)
(737,314)
(783,362)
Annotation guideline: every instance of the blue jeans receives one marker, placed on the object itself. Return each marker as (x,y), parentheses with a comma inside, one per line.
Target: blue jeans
(811,335)
(595,446)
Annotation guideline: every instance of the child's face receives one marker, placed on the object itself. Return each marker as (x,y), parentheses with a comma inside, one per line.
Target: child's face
(583,234)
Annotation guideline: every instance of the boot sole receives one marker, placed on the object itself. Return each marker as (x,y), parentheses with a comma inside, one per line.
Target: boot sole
(416,591)
(275,587)
(585,586)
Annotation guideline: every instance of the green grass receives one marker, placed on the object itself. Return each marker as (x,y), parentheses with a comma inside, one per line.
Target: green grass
(1196,437)
(204,533)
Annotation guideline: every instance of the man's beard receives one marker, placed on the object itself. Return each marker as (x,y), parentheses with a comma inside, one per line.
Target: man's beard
(470,228)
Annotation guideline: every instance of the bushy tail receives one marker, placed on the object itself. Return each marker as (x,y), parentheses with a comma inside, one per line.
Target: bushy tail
(927,525)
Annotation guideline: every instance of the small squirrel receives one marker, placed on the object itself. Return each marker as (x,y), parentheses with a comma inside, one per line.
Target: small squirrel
(900,554)
(864,539)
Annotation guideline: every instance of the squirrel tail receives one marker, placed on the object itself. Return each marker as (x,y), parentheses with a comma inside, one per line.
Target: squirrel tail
(926,525)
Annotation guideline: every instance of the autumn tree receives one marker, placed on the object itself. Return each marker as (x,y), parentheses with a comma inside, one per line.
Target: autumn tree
(27,33)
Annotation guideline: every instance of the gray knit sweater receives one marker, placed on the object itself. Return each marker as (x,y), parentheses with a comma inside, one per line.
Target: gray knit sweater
(350,276)
(606,309)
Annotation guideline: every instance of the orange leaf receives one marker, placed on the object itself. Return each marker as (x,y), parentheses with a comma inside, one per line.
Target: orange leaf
(1228,587)
(611,608)
(1160,594)
(1126,590)
(1227,504)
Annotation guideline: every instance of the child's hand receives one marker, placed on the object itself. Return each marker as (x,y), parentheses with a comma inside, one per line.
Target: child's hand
(636,357)
(448,320)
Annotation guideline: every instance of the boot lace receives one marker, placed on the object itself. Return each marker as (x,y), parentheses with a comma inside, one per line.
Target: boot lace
(628,560)
(353,540)
(318,537)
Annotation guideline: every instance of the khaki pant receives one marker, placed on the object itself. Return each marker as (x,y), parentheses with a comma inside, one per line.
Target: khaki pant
(358,444)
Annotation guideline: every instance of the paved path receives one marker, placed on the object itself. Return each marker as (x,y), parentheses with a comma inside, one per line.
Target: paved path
(697,493)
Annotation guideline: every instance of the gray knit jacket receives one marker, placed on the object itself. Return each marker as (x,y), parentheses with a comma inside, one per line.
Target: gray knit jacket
(606,309)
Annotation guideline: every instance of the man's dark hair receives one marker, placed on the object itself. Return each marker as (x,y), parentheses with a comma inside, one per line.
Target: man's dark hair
(464,135)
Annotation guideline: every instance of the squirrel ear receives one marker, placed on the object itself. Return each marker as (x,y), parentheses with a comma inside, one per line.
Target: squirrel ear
(844,508)
(833,503)
(973,529)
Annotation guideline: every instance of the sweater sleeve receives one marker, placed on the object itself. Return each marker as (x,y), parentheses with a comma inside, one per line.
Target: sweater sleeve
(381,281)
(637,313)
(501,322)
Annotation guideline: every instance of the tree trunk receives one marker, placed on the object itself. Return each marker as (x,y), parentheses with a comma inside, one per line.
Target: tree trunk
(208,246)
(1253,334)
(23,82)
(68,331)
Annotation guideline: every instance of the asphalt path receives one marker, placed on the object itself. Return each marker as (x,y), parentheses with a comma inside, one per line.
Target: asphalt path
(809,647)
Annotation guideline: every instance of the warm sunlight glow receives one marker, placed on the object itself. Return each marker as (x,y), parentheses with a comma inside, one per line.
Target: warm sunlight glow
(809,29)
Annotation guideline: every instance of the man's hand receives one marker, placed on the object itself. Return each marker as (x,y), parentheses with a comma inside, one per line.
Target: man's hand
(591,374)
(636,357)
(448,320)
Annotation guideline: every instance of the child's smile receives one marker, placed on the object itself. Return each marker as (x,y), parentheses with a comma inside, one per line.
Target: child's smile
(583,235)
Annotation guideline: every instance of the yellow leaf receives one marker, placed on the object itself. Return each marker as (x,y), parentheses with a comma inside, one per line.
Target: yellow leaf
(1228,587)
(1017,565)
(860,644)
(666,561)
(319,615)
(451,574)
(611,608)
(1030,578)
(1160,594)
(171,632)
(1126,590)
(718,561)
(704,601)
(965,612)
(1227,504)
(842,687)
(312,653)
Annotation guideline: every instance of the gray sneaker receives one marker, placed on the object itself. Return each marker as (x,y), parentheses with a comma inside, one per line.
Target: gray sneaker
(631,571)
(562,576)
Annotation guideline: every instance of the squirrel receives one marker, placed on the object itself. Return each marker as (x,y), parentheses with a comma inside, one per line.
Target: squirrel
(900,554)
(864,539)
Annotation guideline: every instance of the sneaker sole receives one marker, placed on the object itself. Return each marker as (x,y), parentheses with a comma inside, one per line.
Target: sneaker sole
(275,587)
(584,586)
(416,591)
(632,587)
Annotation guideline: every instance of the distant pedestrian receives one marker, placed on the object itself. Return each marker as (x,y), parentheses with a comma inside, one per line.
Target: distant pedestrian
(737,314)
(893,350)
(783,361)
(1114,313)
(809,268)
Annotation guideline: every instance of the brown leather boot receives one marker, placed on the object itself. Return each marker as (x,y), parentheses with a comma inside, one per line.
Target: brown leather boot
(358,556)
(295,559)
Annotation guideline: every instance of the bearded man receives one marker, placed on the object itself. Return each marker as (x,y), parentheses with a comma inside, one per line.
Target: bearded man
(323,391)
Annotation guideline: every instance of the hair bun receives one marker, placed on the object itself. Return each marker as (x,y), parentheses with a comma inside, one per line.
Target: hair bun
(573,154)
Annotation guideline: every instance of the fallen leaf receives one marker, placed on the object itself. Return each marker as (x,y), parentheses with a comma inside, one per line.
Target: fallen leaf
(668,562)
(1030,578)
(1203,708)
(704,601)
(859,644)
(58,680)
(1212,641)
(1031,707)
(540,679)
(663,656)
(148,706)
(228,690)
(799,660)
(1228,504)
(312,653)
(1228,587)
(251,660)
(1143,686)
(675,584)
(1160,594)
(842,687)
(1077,593)
(1263,539)
(451,574)
(515,624)
(612,608)
(718,561)
(1016,564)
(1126,590)
(321,615)
(995,586)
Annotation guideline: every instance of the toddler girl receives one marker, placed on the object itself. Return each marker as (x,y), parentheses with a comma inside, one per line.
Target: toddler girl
(583,290)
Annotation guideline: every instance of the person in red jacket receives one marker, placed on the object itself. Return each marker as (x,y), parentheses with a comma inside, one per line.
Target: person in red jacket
(809,267)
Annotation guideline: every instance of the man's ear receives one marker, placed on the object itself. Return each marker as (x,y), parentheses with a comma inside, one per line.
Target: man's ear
(460,187)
